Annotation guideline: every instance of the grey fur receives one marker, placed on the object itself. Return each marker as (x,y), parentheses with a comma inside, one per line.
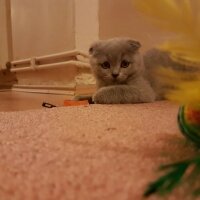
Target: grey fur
(131,85)
(153,59)
(137,83)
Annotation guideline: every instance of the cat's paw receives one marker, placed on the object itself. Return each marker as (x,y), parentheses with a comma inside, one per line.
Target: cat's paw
(98,98)
(101,97)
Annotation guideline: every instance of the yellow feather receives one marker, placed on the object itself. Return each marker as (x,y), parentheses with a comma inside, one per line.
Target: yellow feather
(180,18)
(167,13)
(187,93)
(186,49)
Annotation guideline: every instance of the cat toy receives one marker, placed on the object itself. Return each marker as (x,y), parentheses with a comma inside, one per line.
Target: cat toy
(70,103)
(189,123)
(180,18)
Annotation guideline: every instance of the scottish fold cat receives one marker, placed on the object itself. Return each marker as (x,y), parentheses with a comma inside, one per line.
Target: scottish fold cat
(120,73)
(123,75)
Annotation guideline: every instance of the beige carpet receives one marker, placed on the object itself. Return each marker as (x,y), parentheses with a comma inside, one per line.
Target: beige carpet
(99,152)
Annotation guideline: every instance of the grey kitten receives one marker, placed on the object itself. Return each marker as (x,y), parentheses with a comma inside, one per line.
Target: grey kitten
(120,73)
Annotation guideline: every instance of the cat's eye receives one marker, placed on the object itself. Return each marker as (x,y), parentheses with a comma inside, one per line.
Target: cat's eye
(105,65)
(125,63)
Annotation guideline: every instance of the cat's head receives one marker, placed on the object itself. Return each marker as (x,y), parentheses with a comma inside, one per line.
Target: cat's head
(115,61)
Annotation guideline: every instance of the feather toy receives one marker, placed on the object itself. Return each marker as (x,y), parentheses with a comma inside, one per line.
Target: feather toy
(182,18)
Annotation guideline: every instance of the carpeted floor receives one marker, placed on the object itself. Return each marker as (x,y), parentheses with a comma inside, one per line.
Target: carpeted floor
(99,152)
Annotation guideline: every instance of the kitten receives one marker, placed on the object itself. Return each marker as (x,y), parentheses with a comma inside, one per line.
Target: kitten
(120,73)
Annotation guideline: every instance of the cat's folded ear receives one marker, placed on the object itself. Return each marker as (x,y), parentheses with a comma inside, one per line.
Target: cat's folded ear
(135,45)
(93,47)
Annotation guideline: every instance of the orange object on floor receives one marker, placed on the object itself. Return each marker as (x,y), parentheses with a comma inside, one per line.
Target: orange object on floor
(76,103)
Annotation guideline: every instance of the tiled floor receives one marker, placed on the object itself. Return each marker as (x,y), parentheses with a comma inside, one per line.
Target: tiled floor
(16,101)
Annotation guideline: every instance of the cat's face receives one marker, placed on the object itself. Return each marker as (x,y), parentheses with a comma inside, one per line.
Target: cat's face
(115,61)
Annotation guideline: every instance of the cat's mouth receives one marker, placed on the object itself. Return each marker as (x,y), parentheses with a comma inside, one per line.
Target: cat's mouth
(115,79)
(118,80)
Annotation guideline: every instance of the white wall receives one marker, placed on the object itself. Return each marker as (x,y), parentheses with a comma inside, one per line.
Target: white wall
(5,33)
(42,27)
(86,23)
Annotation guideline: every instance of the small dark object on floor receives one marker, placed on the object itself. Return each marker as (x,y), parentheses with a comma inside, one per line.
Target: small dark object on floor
(90,101)
(48,105)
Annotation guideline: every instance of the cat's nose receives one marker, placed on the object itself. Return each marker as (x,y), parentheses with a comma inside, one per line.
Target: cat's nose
(115,75)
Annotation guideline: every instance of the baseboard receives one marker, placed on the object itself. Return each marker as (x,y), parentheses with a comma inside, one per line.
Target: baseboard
(69,89)
(46,89)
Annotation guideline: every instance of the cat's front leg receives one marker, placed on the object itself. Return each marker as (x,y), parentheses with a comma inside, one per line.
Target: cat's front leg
(119,94)
(123,94)
(106,95)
